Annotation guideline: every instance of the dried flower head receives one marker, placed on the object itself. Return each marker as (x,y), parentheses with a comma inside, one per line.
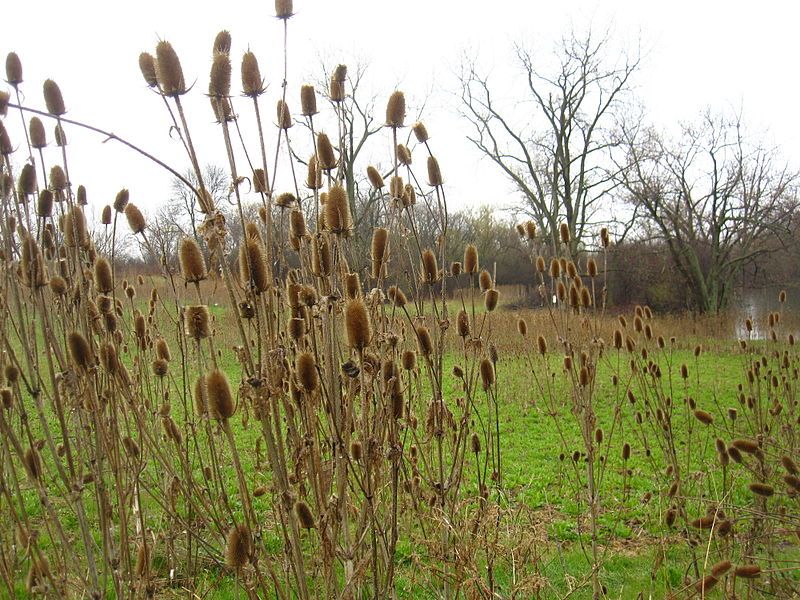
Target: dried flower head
(396,110)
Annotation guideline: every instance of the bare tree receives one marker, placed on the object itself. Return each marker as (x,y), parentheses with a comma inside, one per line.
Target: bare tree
(553,144)
(719,200)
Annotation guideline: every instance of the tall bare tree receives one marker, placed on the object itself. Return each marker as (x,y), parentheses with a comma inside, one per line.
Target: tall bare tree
(553,141)
(717,198)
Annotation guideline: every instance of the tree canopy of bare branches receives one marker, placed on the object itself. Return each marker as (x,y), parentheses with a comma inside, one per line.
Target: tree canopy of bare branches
(718,199)
(553,137)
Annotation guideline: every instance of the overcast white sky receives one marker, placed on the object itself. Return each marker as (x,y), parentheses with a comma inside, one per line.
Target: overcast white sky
(696,54)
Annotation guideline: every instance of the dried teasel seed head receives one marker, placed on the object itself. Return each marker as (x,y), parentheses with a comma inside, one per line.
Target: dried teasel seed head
(79,350)
(60,135)
(762,489)
(193,264)
(530,229)
(375,178)
(522,327)
(33,463)
(313,174)
(103,279)
(429,269)
(541,344)
(396,110)
(219,84)
(396,187)
(749,571)
(487,373)
(720,568)
(704,417)
(252,83)
(26,182)
(284,115)
(555,268)
(789,465)
(222,42)
(13,69)
(337,211)
(356,450)
(434,172)
(470,259)
(80,195)
(409,360)
(6,148)
(53,98)
(359,331)
(197,321)
(58,285)
(121,200)
(11,373)
(591,267)
(325,153)
(409,195)
(238,547)
(219,395)
(706,584)
(403,155)
(44,204)
(306,369)
(605,240)
(424,341)
(308,101)
(397,297)
(147,65)
(352,285)
(283,9)
(37,134)
(564,233)
(253,267)
(304,516)
(160,367)
(169,71)
(475,443)
(135,218)
(462,324)
(321,261)
(162,349)
(626,451)
(455,268)
(297,224)
(485,281)
(336,89)
(491,299)
(420,132)
(380,241)
(58,179)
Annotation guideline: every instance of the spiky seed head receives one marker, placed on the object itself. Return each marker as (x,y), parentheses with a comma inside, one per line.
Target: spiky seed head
(44,205)
(336,90)
(169,71)
(147,65)
(475,443)
(470,259)
(746,445)
(32,268)
(605,240)
(53,98)
(103,279)
(420,132)
(485,281)
(555,268)
(238,547)
(434,172)
(37,134)
(321,262)
(359,331)
(462,324)
(380,241)
(11,373)
(79,350)
(197,321)
(219,395)
(789,465)
(375,178)
(352,285)
(487,373)
(283,9)
(13,69)
(135,218)
(253,267)
(356,450)
(308,100)
(424,341)
(720,568)
(306,369)
(762,489)
(80,195)
(409,195)
(304,516)
(564,233)
(403,155)
(541,344)
(430,267)
(61,137)
(58,179)
(591,267)
(313,174)
(396,109)
(193,264)
(530,229)
(397,297)
(325,153)
(26,182)
(160,367)
(162,349)
(491,299)
(396,187)
(121,200)
(409,360)
(33,463)
(337,211)
(749,571)
(297,224)
(252,83)
(586,297)
(219,84)
(284,115)
(222,43)
(6,148)
(286,200)
(297,328)
(58,285)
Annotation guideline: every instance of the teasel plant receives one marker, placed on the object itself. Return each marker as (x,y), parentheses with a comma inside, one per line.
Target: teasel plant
(310,413)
